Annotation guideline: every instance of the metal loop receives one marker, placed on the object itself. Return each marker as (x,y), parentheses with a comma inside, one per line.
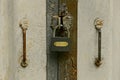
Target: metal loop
(54,32)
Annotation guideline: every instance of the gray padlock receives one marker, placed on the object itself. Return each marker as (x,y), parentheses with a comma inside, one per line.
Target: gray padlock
(60,43)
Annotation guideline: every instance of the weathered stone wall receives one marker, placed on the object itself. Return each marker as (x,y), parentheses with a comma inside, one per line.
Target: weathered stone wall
(88,37)
(11,12)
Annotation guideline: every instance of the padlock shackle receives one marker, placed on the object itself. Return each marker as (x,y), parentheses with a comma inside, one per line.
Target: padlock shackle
(60,24)
(54,32)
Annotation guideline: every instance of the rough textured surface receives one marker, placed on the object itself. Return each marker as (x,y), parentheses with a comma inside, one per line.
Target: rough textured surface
(35,12)
(61,66)
(87,40)
(52,9)
(6,40)
(116,39)
(11,12)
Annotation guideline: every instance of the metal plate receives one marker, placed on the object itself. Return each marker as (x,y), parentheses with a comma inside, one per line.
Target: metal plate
(60,44)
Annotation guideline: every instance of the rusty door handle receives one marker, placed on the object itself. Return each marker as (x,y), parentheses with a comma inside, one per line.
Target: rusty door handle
(24,63)
(24,26)
(98,26)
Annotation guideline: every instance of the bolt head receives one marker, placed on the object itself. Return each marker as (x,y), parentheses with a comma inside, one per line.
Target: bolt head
(24,64)
(98,23)
(98,63)
(24,24)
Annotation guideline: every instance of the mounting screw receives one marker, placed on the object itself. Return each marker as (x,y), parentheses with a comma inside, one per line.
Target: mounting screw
(24,24)
(98,62)
(98,23)
(24,64)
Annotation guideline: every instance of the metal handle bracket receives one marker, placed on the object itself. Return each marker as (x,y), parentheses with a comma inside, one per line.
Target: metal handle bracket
(98,25)
(24,25)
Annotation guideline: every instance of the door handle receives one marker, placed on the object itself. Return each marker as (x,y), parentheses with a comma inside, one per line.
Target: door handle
(24,26)
(98,26)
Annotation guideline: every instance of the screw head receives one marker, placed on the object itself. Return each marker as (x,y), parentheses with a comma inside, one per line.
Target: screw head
(98,62)
(24,24)
(98,23)
(24,64)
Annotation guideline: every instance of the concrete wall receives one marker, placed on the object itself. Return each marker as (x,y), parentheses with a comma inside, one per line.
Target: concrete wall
(11,12)
(6,40)
(116,40)
(87,40)
(109,11)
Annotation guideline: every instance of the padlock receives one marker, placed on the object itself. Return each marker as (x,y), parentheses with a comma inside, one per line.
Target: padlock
(60,41)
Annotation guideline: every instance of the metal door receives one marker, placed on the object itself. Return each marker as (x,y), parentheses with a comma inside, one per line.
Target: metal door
(62,66)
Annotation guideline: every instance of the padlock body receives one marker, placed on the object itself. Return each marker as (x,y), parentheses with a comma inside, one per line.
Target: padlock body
(60,44)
